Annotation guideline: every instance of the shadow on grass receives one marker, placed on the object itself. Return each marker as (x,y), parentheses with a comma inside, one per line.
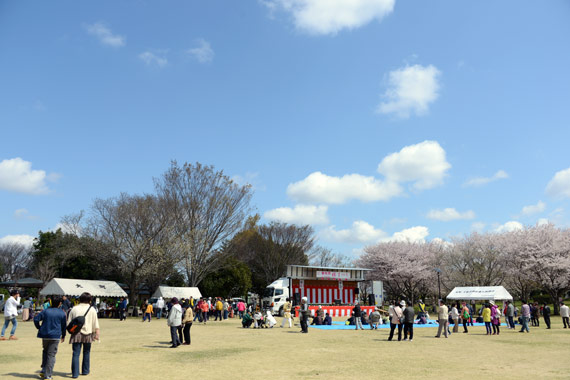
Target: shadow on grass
(32,376)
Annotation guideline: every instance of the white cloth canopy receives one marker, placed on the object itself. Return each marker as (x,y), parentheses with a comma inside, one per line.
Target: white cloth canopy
(494,293)
(168,292)
(73,287)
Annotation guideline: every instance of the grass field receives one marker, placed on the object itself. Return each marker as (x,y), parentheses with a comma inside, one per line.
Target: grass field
(136,350)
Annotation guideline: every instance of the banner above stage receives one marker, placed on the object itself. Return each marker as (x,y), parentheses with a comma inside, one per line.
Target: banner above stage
(478,293)
(328,275)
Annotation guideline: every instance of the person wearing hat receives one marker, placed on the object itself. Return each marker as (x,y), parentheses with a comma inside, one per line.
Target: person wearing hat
(175,321)
(10,314)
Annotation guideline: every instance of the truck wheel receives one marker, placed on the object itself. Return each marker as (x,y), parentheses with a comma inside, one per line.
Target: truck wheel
(281,312)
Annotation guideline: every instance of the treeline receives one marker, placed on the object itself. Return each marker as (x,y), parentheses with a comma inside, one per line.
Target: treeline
(196,228)
(534,259)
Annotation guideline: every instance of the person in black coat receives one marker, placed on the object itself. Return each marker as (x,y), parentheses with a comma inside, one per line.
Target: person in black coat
(546,315)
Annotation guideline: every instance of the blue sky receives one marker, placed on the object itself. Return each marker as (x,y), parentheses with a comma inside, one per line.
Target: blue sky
(370,120)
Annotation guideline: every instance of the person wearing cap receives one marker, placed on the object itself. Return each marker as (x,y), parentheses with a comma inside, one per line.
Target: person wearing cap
(175,321)
(395,321)
(10,314)
(409,321)
(442,316)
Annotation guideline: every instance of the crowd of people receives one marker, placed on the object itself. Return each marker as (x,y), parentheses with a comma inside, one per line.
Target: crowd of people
(56,315)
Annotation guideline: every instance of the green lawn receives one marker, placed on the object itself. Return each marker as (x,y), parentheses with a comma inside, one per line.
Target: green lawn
(136,350)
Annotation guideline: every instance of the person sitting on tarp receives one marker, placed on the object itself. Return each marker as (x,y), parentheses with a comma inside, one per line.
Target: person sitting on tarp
(328,320)
(364,318)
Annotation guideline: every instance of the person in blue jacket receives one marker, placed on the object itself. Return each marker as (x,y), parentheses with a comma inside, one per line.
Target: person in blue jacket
(52,331)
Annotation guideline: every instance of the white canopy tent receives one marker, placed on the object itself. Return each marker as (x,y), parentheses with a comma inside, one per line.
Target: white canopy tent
(73,287)
(168,292)
(477,293)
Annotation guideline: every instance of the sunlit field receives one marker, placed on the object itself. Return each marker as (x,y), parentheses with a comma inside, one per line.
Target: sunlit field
(136,350)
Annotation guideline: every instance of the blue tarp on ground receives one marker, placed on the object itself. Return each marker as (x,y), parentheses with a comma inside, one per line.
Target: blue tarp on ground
(343,326)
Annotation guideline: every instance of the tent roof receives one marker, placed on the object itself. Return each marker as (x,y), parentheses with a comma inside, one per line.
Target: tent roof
(27,282)
(479,293)
(73,287)
(178,292)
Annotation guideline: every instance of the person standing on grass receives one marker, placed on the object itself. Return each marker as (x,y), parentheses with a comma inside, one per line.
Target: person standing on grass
(443,319)
(495,318)
(396,322)
(486,314)
(525,316)
(123,309)
(159,307)
(85,337)
(465,316)
(510,315)
(174,321)
(187,322)
(51,330)
(409,322)
(304,315)
(286,312)
(357,314)
(565,314)
(455,317)
(546,315)
(241,308)
(205,308)
(10,314)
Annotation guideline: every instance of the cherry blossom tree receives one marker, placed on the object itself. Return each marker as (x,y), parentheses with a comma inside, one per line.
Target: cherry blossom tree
(406,268)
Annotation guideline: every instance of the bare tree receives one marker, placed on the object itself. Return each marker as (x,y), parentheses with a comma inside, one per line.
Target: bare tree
(208,208)
(15,260)
(325,257)
(137,229)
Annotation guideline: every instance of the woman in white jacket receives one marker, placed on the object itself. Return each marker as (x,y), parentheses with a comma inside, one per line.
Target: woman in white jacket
(175,321)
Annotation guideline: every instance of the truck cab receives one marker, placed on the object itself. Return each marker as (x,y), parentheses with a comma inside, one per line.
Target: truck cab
(275,295)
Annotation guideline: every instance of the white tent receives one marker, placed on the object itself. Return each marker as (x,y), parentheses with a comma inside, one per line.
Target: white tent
(178,292)
(478,293)
(73,287)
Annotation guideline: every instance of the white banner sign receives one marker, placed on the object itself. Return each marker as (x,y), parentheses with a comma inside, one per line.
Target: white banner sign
(327,275)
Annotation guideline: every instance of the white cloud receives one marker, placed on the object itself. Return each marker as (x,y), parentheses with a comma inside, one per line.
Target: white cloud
(20,239)
(104,34)
(509,227)
(542,222)
(323,17)
(424,164)
(17,175)
(415,234)
(480,181)
(153,59)
(559,185)
(359,232)
(250,178)
(478,226)
(411,89)
(203,52)
(300,214)
(534,209)
(319,187)
(22,213)
(449,214)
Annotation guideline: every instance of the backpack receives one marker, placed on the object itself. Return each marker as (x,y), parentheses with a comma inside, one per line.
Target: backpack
(77,323)
(465,314)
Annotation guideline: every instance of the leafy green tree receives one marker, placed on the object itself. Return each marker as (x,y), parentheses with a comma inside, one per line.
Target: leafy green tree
(233,279)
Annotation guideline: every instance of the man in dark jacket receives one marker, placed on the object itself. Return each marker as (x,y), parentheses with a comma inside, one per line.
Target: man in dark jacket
(409,321)
(546,315)
(51,330)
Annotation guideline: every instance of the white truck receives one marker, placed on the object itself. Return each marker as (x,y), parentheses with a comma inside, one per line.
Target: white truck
(275,295)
